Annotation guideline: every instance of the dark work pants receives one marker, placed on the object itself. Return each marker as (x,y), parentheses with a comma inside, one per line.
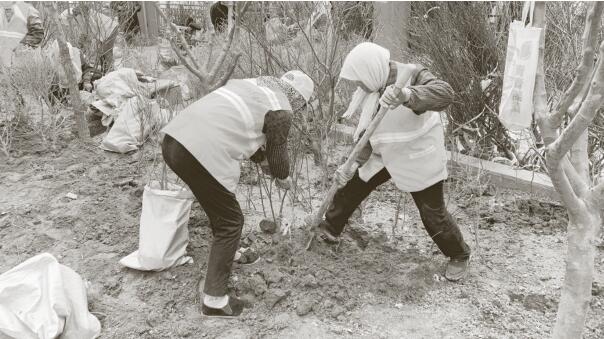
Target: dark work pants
(431,204)
(221,206)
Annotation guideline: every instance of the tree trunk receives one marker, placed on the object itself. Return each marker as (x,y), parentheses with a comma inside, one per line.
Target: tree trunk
(579,158)
(230,15)
(391,19)
(569,170)
(583,227)
(79,109)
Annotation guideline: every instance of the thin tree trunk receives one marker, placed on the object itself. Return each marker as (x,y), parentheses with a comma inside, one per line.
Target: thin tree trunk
(391,20)
(583,227)
(79,109)
(569,170)
(579,158)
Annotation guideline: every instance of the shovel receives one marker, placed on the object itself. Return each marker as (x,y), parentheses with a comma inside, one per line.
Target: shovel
(315,219)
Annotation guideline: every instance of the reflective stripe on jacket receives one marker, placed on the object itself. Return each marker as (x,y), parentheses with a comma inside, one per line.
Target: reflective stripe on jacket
(11,32)
(410,146)
(225,127)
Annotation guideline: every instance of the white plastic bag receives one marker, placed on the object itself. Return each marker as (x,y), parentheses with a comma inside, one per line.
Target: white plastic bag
(516,107)
(113,90)
(135,121)
(164,233)
(41,298)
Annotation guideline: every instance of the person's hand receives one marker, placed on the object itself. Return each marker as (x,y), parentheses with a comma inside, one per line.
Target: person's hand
(88,87)
(393,97)
(344,176)
(283,183)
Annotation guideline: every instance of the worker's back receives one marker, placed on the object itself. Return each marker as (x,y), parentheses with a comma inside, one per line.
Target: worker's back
(225,126)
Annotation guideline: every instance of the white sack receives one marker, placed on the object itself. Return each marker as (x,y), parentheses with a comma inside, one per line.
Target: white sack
(113,90)
(163,233)
(41,298)
(516,107)
(137,117)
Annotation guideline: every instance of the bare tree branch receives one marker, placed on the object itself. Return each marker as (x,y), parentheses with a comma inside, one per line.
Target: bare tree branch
(314,52)
(590,35)
(227,46)
(574,108)
(584,117)
(562,185)
(579,185)
(182,39)
(549,131)
(227,75)
(209,80)
(78,106)
(188,65)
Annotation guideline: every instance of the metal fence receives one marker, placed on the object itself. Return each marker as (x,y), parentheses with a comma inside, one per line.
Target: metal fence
(179,11)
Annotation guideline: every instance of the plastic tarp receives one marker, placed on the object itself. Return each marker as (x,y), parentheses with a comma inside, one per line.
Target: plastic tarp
(41,298)
(163,233)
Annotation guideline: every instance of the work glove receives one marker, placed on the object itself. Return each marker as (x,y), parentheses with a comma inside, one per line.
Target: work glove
(343,176)
(394,96)
(266,169)
(259,156)
(283,183)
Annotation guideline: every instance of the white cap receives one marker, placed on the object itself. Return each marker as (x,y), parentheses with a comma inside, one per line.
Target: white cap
(300,82)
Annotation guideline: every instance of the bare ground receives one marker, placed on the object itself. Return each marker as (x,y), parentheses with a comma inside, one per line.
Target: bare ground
(380,282)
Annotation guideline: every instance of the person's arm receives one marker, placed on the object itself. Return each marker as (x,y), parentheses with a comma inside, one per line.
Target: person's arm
(87,72)
(276,128)
(427,92)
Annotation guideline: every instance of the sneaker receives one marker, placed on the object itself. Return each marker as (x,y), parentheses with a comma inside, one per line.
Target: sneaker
(457,268)
(325,234)
(232,309)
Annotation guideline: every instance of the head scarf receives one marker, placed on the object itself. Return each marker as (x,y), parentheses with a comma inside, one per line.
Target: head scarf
(296,100)
(370,64)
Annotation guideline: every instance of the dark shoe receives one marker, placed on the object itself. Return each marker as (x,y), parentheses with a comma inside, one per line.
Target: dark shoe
(232,309)
(325,234)
(457,268)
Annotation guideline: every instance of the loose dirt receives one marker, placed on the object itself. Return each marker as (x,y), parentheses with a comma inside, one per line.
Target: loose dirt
(383,281)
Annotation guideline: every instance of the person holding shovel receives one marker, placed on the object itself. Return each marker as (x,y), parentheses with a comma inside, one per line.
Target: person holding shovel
(407,146)
(248,118)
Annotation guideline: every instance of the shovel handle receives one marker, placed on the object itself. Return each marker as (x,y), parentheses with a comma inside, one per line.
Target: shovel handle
(352,157)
